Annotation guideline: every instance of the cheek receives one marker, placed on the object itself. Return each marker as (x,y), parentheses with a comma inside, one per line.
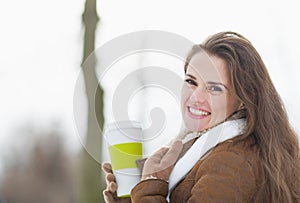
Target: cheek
(219,106)
(231,106)
(185,94)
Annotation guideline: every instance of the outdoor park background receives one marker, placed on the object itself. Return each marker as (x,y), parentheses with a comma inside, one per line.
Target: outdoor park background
(42,158)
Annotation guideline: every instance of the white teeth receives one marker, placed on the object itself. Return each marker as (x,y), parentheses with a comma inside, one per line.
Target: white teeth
(198,112)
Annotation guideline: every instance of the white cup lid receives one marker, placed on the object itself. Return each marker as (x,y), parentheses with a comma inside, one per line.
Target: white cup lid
(122,125)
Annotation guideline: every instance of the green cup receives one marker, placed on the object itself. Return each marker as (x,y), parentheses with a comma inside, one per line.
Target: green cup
(124,140)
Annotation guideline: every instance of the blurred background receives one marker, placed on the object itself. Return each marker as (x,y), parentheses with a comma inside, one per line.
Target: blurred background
(42,47)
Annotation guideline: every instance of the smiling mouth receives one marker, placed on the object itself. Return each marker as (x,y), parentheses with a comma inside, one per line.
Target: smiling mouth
(198,112)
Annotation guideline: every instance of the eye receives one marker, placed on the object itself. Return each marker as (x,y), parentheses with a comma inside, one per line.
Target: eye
(215,89)
(191,82)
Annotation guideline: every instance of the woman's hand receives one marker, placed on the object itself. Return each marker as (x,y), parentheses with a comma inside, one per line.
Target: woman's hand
(110,193)
(162,162)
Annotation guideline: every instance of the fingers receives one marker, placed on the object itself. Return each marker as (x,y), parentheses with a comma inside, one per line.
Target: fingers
(111,184)
(106,167)
(112,187)
(110,192)
(157,156)
(172,154)
(160,164)
(162,151)
(108,196)
(110,178)
(112,198)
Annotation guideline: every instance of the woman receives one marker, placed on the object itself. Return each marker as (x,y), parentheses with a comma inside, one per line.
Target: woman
(227,94)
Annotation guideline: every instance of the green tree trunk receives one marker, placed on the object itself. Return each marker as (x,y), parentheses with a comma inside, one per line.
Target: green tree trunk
(91,182)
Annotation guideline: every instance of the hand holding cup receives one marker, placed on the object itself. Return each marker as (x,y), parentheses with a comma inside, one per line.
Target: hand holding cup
(110,193)
(161,163)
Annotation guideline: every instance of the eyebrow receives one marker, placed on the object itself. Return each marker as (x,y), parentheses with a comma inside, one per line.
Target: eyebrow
(191,76)
(209,82)
(217,83)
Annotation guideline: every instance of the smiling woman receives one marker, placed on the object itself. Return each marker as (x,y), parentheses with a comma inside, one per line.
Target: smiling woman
(242,148)
(208,97)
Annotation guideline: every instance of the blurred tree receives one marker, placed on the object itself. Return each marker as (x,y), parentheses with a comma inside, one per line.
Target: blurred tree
(92,183)
(42,173)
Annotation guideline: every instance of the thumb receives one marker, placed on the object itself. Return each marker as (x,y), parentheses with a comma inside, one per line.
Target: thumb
(172,154)
(157,156)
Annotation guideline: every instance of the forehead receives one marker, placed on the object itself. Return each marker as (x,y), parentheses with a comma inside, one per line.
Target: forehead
(208,68)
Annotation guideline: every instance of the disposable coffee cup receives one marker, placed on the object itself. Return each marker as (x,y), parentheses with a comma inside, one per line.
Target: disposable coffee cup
(124,140)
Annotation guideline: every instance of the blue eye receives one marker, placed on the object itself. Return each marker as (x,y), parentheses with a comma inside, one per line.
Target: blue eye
(215,89)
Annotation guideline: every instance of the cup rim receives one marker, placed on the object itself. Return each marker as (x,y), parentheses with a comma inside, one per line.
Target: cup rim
(122,124)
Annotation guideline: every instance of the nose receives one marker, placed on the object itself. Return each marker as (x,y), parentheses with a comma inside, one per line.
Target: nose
(199,95)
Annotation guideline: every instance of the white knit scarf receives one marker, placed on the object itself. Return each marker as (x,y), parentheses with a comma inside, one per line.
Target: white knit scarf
(203,144)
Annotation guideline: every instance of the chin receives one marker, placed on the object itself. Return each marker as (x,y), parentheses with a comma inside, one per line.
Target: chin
(194,127)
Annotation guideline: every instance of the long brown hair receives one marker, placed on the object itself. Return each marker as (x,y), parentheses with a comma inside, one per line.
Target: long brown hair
(267,120)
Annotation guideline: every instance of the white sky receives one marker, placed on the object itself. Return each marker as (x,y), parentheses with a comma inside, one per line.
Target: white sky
(40,59)
(41,47)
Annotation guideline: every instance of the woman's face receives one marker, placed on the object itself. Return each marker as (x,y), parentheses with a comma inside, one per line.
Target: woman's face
(207,95)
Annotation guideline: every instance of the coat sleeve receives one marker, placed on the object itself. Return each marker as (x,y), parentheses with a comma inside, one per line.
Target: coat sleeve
(149,191)
(224,177)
